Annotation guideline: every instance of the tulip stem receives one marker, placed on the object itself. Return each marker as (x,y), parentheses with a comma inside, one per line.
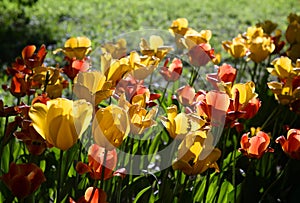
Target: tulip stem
(206,185)
(59,176)
(103,169)
(276,111)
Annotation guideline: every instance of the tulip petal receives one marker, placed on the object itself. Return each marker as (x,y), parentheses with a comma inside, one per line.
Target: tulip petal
(38,114)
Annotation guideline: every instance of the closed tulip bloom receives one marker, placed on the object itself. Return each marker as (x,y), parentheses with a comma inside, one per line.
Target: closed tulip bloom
(260,48)
(237,48)
(255,146)
(110,126)
(61,121)
(291,145)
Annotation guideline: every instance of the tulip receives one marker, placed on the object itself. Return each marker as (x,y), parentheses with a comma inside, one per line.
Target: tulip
(61,121)
(178,125)
(255,146)
(226,73)
(91,195)
(92,86)
(32,59)
(196,154)
(237,48)
(117,50)
(76,47)
(291,145)
(201,54)
(155,47)
(173,72)
(23,179)
(110,126)
(96,163)
(260,48)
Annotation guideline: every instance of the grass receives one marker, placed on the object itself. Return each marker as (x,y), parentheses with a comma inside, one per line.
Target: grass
(54,21)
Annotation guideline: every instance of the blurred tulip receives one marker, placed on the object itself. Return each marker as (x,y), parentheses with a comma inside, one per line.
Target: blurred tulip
(260,48)
(117,50)
(173,71)
(61,121)
(33,141)
(110,127)
(237,48)
(23,179)
(155,47)
(291,145)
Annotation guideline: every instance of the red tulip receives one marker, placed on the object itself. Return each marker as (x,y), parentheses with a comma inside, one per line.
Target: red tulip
(291,145)
(96,160)
(23,179)
(173,72)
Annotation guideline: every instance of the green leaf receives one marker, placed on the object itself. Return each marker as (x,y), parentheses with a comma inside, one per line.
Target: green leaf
(143,195)
(226,188)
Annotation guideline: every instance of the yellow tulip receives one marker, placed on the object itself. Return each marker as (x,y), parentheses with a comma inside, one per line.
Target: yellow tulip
(179,26)
(76,47)
(196,154)
(61,122)
(155,47)
(117,50)
(246,92)
(142,66)
(283,68)
(178,125)
(92,86)
(110,126)
(237,48)
(260,48)
(114,70)
(192,37)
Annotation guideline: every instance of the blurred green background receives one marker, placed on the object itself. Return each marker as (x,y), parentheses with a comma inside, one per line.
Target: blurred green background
(24,22)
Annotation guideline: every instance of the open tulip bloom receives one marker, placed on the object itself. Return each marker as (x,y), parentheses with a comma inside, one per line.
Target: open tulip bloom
(166,121)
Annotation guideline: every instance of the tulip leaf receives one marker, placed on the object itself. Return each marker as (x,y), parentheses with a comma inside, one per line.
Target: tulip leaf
(143,195)
(226,188)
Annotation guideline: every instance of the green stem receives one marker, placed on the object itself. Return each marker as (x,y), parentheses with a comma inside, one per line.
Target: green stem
(59,174)
(206,185)
(277,110)
(276,181)
(103,170)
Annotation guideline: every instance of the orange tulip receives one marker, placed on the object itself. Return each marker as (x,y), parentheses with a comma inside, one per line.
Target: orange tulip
(23,179)
(98,196)
(32,59)
(96,161)
(226,73)
(291,145)
(255,146)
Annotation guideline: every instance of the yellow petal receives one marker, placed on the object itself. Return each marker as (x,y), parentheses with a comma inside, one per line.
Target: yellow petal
(38,114)
(82,115)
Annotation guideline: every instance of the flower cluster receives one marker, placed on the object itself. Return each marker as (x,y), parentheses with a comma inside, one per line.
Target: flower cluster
(87,142)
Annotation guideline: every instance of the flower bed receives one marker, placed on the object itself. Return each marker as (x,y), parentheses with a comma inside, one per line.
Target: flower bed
(151,124)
